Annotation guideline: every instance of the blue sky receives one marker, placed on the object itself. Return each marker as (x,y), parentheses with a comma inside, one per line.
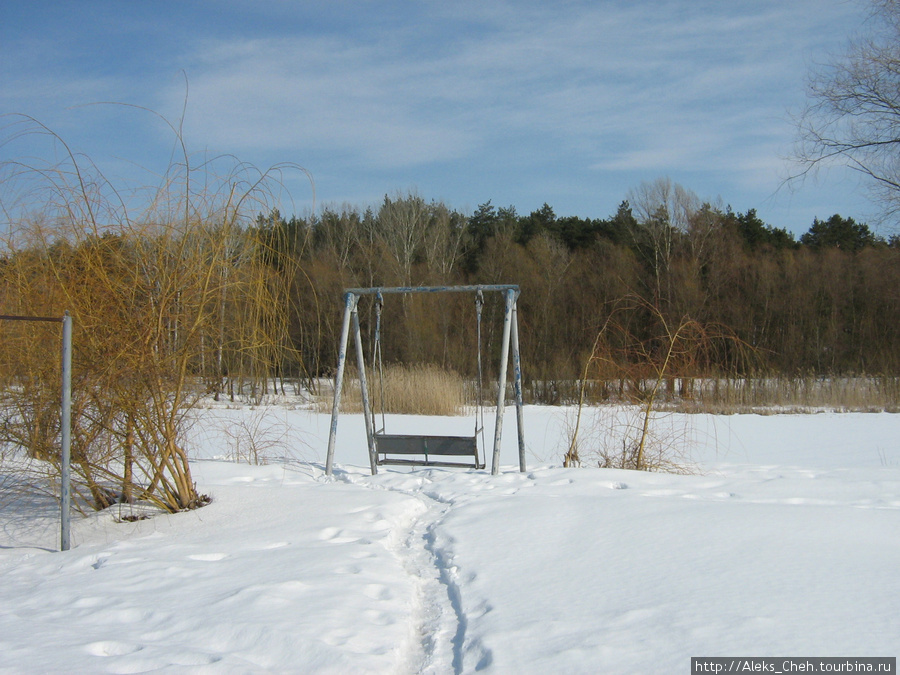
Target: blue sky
(570,102)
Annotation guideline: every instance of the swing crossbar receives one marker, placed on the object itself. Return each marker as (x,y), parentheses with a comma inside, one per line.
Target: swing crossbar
(422,450)
(382,290)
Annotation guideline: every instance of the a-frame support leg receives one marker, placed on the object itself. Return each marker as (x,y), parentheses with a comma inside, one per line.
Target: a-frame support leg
(349,307)
(501,380)
(510,338)
(364,389)
(517,388)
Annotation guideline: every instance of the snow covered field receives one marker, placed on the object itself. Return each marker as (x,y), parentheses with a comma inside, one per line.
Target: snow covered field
(785,542)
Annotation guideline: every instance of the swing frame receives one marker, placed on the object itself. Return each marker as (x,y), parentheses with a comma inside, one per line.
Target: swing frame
(411,444)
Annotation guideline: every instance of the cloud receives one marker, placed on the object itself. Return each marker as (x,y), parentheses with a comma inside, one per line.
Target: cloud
(368,92)
(320,93)
(645,86)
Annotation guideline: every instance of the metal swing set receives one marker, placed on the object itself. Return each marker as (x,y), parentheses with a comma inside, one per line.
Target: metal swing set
(417,450)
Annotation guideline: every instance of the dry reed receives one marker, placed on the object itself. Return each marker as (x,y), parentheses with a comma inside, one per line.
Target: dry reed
(771,395)
(421,389)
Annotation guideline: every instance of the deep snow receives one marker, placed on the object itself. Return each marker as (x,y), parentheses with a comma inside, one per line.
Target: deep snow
(784,542)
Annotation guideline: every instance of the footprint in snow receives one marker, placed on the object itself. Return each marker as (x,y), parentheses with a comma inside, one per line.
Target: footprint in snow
(378,618)
(112,648)
(360,555)
(348,569)
(378,592)
(277,544)
(208,557)
(333,535)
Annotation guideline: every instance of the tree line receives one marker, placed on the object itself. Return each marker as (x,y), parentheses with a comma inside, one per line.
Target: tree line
(210,294)
(823,304)
(271,287)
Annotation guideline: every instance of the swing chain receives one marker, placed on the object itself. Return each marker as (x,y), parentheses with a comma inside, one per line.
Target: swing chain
(377,361)
(479,423)
(378,365)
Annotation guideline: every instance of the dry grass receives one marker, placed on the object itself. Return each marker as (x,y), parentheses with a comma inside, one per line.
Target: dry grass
(771,395)
(408,390)
(729,396)
(260,437)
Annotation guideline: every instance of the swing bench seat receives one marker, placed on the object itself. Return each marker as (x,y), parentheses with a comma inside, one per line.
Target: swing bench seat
(427,451)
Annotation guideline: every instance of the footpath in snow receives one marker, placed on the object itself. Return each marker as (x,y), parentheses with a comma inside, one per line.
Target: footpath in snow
(784,543)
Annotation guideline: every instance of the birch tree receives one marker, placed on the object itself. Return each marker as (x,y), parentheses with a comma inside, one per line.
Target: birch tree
(852,116)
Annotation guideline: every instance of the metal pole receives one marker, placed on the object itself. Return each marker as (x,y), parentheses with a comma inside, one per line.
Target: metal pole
(364,390)
(501,380)
(430,289)
(349,305)
(65,423)
(517,387)
(65,500)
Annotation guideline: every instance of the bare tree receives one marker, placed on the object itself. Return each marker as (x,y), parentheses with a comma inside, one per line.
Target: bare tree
(664,211)
(339,232)
(444,241)
(402,225)
(645,366)
(853,111)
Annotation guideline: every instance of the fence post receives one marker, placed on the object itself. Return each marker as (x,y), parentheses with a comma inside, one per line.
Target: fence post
(65,422)
(65,500)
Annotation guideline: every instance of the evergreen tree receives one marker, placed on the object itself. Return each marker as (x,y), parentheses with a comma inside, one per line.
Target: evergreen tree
(837,232)
(542,220)
(756,233)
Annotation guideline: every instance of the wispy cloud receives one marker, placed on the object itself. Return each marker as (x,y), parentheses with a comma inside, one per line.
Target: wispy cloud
(492,93)
(634,85)
(318,93)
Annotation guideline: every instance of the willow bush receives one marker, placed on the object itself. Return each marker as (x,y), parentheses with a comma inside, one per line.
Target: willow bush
(167,293)
(644,366)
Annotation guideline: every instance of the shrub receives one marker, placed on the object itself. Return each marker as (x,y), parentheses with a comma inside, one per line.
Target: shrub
(153,288)
(645,366)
